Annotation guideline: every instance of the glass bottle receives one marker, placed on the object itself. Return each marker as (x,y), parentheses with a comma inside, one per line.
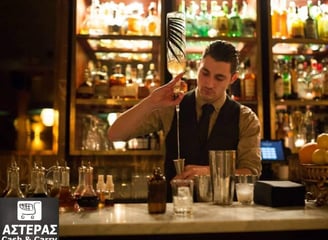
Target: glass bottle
(109,190)
(56,175)
(40,189)
(79,189)
(153,23)
(310,26)
(278,83)
(101,190)
(286,79)
(100,79)
(323,24)
(297,26)
(222,21)
(89,199)
(235,22)
(14,189)
(203,20)
(157,192)
(86,89)
(65,197)
(249,82)
(248,20)
(32,186)
(117,82)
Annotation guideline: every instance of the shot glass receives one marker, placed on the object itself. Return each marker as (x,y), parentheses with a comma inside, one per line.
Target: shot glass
(245,188)
(182,193)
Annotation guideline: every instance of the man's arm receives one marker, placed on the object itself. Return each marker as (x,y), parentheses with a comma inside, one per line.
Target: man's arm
(131,119)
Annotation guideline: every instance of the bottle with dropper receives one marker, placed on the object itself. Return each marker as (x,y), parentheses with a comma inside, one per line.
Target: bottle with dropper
(13,180)
(89,199)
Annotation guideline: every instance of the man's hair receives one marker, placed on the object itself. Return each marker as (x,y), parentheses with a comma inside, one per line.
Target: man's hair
(223,51)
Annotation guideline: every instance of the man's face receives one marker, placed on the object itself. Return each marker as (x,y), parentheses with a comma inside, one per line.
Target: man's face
(213,79)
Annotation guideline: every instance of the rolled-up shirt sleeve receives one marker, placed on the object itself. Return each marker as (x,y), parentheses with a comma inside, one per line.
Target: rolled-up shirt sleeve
(249,152)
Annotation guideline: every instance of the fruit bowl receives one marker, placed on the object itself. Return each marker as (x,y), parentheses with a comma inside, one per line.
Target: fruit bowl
(315,178)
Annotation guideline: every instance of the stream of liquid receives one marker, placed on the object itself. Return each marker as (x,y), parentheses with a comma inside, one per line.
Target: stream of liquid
(177,109)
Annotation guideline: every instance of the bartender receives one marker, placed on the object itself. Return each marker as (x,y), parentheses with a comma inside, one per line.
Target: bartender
(232,126)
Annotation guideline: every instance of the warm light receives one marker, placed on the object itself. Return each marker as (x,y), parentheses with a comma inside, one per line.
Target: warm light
(48,116)
(111,118)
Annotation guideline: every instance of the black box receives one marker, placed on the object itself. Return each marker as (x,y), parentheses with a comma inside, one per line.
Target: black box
(279,193)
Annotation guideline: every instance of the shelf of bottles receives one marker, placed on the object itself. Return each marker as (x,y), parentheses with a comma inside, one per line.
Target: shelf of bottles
(116,62)
(299,31)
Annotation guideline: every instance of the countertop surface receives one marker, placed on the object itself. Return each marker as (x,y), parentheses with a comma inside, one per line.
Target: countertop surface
(133,219)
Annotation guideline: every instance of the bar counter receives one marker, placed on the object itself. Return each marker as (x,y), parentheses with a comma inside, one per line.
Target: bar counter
(209,221)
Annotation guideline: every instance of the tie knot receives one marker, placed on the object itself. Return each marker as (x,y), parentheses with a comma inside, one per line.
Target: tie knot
(207,109)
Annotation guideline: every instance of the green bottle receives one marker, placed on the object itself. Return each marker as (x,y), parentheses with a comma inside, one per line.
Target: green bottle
(235,21)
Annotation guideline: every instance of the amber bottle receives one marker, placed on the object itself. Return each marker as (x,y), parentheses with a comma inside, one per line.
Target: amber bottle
(157,192)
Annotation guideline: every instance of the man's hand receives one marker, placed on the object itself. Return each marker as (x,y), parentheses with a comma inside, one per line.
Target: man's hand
(190,171)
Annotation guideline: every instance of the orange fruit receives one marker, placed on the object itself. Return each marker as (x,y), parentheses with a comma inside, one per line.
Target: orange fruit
(322,140)
(305,152)
(318,156)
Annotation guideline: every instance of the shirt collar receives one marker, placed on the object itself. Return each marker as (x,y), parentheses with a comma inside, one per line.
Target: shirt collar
(217,103)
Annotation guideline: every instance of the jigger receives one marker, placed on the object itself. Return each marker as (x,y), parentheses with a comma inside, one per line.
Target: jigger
(179,165)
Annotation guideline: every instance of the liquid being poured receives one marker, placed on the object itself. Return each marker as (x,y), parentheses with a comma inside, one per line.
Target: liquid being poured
(177,109)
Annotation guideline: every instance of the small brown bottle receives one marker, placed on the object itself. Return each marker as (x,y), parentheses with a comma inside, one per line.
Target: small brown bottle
(157,192)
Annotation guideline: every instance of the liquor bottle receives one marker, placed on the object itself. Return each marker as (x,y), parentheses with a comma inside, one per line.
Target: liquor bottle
(86,89)
(100,79)
(248,20)
(238,88)
(13,182)
(235,22)
(143,91)
(302,84)
(322,21)
(309,125)
(293,75)
(213,32)
(151,80)
(249,82)
(297,26)
(222,22)
(286,79)
(191,26)
(278,82)
(65,196)
(157,192)
(316,79)
(131,90)
(88,199)
(152,22)
(117,82)
(310,26)
(203,20)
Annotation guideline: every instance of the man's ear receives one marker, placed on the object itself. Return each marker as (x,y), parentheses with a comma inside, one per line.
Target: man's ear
(234,78)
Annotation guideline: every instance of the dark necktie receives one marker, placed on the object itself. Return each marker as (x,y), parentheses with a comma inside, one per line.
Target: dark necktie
(204,122)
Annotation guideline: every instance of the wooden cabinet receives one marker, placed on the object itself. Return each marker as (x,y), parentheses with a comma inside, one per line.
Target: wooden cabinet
(107,33)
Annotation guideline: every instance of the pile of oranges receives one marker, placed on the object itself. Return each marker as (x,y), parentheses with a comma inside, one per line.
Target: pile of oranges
(315,152)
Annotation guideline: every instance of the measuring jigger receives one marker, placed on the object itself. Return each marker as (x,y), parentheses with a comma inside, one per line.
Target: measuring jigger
(179,165)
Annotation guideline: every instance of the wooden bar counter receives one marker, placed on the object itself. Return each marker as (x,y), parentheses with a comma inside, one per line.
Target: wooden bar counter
(209,221)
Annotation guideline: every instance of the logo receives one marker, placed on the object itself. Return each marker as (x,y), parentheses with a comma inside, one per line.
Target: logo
(29,210)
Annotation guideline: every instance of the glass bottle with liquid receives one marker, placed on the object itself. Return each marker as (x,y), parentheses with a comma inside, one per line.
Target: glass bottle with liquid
(79,189)
(89,199)
(65,197)
(235,22)
(13,180)
(54,189)
(157,192)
